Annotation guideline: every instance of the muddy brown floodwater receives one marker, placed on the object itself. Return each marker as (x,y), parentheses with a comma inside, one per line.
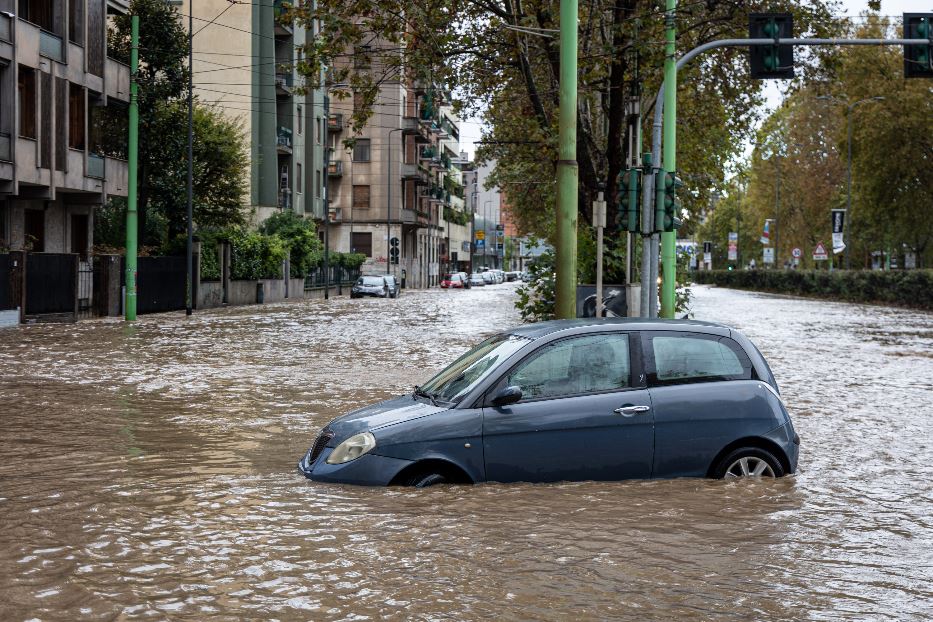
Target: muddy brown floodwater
(148,472)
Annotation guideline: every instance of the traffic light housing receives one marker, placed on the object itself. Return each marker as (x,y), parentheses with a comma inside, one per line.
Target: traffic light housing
(393,251)
(918,59)
(629,189)
(667,206)
(771,61)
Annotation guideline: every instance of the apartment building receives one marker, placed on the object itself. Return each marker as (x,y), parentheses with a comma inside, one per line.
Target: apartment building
(63,105)
(397,195)
(245,57)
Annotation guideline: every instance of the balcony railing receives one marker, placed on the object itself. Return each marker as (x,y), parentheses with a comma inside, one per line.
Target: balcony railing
(284,80)
(50,46)
(284,139)
(95,166)
(6,147)
(335,168)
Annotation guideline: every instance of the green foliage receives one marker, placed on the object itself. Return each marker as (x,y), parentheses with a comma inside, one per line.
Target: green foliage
(350,261)
(210,251)
(254,255)
(536,298)
(907,288)
(300,235)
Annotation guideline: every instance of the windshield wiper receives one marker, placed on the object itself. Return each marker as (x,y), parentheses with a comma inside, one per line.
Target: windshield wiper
(422,393)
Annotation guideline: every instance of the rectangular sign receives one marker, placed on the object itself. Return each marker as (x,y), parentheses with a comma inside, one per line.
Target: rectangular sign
(839,225)
(733,236)
(766,233)
(480,244)
(768,255)
(733,252)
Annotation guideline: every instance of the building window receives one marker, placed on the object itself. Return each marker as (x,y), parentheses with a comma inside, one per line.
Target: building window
(40,13)
(79,237)
(298,177)
(360,197)
(76,117)
(361,150)
(300,120)
(317,184)
(362,243)
(27,103)
(34,230)
(76,21)
(357,101)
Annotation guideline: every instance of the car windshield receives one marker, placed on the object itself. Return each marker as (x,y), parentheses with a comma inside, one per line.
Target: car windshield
(370,280)
(452,384)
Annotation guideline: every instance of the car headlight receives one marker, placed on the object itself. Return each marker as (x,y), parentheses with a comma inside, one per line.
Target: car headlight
(352,448)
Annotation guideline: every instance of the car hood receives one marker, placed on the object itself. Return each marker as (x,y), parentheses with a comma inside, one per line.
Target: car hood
(375,416)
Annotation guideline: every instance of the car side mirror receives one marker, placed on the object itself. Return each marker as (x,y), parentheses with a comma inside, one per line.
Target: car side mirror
(507,396)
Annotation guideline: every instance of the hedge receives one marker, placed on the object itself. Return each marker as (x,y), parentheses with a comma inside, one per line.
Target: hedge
(906,288)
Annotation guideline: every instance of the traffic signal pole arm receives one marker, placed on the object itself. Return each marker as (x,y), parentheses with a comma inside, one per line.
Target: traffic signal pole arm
(647,283)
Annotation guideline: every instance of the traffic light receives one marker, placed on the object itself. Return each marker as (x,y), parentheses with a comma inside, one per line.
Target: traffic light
(393,251)
(918,59)
(666,205)
(771,61)
(629,189)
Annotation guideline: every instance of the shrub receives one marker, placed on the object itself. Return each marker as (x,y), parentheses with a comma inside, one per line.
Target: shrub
(254,255)
(907,288)
(300,236)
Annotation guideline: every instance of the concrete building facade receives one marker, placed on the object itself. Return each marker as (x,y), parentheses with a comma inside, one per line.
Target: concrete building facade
(58,92)
(245,59)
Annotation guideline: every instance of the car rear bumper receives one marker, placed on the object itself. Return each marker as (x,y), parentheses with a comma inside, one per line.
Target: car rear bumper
(368,470)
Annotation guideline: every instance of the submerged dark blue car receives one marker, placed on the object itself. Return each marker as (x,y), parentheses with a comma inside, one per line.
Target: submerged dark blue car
(589,399)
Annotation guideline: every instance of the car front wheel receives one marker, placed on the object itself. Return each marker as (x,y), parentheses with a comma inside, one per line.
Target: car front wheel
(423,480)
(749,462)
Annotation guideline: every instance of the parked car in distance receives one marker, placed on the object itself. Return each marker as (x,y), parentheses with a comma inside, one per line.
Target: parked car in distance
(488,277)
(452,281)
(476,279)
(465,279)
(370,285)
(525,277)
(586,399)
(511,276)
(394,287)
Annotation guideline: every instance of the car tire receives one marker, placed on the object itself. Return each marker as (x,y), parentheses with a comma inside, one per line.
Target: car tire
(748,462)
(423,480)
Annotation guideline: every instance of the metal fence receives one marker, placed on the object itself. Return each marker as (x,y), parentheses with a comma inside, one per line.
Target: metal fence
(6,283)
(160,283)
(85,287)
(51,283)
(339,276)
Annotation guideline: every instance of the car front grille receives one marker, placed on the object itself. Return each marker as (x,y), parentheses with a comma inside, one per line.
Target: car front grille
(319,444)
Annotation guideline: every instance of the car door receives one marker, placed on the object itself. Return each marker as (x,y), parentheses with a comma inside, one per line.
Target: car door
(585,414)
(704,396)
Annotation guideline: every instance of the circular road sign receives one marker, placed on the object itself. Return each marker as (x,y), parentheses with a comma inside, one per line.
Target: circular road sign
(797,253)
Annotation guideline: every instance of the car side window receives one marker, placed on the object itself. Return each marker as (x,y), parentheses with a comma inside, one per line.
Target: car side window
(590,364)
(695,358)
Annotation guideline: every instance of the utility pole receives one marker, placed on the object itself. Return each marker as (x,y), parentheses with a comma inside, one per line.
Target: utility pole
(599,221)
(777,208)
(326,196)
(567,170)
(188,253)
(389,200)
(669,238)
(132,222)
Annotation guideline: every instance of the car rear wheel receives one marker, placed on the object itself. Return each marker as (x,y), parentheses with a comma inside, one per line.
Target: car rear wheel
(423,480)
(749,462)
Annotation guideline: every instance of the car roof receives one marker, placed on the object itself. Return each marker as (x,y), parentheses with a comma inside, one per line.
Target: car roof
(542,329)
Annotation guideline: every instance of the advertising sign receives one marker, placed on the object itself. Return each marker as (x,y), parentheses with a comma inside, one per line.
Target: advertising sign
(768,255)
(766,233)
(839,222)
(733,245)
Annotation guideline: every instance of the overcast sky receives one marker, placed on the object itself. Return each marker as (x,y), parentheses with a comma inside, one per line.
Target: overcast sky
(470,130)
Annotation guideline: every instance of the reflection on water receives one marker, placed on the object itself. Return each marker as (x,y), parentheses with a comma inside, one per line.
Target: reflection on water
(149,471)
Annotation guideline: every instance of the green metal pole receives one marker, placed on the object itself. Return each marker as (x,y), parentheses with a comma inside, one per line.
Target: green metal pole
(567,172)
(669,239)
(131,215)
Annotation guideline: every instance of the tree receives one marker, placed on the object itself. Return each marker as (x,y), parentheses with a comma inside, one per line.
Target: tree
(300,236)
(501,57)
(220,157)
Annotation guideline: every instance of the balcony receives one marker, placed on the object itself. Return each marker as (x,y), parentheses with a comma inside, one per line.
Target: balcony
(335,122)
(283,83)
(283,141)
(335,168)
(95,166)
(6,147)
(50,46)
(416,173)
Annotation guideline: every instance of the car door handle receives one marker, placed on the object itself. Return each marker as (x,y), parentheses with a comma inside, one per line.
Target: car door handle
(631,411)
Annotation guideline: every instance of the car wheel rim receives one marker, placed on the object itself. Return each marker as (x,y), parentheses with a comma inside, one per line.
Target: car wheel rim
(749,466)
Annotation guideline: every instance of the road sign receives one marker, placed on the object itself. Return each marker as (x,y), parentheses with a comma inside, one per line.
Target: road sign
(768,255)
(480,244)
(480,235)
(733,236)
(819,253)
(796,253)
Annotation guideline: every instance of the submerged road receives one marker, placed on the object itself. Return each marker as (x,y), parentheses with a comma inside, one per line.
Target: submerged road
(148,472)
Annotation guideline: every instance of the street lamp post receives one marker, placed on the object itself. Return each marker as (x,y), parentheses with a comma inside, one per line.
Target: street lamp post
(389,202)
(849,109)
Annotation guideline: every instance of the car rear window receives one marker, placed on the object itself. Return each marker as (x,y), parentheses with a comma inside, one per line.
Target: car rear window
(370,280)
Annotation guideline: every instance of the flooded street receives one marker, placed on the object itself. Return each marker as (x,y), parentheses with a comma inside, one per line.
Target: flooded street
(149,472)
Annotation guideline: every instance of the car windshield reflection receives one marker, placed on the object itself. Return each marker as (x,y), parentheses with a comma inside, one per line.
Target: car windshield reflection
(452,384)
